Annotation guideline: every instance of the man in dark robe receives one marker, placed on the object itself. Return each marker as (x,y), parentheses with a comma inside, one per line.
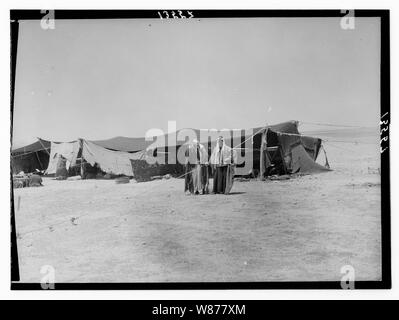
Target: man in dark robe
(223,160)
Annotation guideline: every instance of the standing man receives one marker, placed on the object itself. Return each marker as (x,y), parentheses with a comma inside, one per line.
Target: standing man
(223,160)
(196,180)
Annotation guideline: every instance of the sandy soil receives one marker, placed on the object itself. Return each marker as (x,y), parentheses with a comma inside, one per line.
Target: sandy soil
(302,229)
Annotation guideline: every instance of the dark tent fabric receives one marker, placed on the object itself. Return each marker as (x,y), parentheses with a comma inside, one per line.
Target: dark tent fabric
(287,141)
(39,145)
(143,171)
(123,144)
(299,153)
(32,157)
(303,163)
(233,138)
(312,146)
(175,151)
(182,136)
(29,162)
(284,135)
(285,127)
(137,144)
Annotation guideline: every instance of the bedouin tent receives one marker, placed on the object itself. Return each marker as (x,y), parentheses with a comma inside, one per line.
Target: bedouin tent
(298,153)
(165,155)
(121,155)
(48,155)
(31,158)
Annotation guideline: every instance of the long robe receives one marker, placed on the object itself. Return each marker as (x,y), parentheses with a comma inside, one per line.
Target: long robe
(188,178)
(223,160)
(229,179)
(196,171)
(219,179)
(200,178)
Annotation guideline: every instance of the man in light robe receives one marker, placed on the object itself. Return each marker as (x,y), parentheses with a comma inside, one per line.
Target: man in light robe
(196,179)
(223,160)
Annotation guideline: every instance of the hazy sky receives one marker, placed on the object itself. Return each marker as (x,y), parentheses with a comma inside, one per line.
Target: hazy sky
(98,79)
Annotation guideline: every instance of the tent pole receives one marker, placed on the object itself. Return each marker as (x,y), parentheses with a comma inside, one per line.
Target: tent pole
(41,165)
(263,146)
(43,145)
(81,159)
(81,168)
(327,165)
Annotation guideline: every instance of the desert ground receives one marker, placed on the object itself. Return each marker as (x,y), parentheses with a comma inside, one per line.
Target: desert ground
(301,229)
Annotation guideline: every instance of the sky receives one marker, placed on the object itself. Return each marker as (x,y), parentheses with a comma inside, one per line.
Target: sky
(98,79)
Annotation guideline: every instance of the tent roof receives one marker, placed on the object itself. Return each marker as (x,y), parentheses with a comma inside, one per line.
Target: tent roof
(137,144)
(285,127)
(123,144)
(40,144)
(127,144)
